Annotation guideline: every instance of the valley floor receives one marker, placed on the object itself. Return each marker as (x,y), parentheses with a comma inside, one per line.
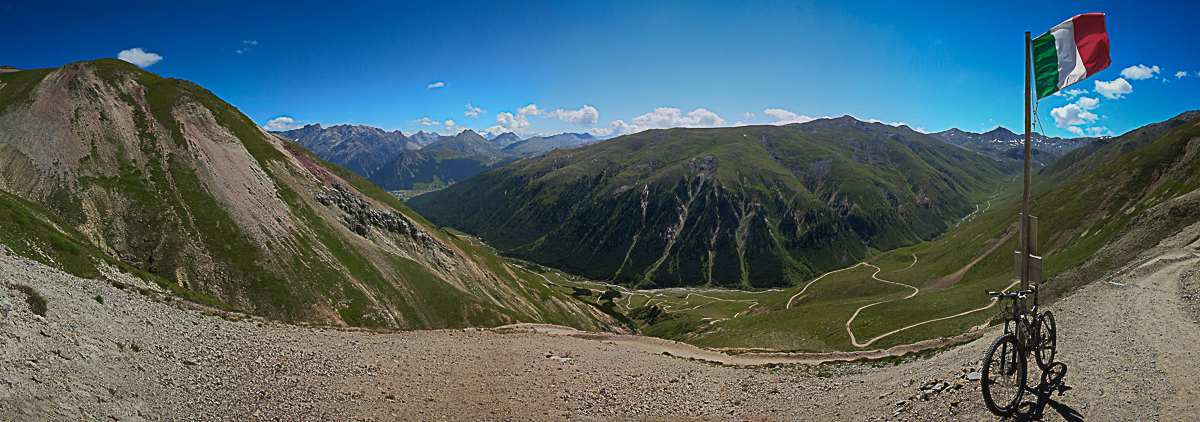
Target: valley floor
(1128,352)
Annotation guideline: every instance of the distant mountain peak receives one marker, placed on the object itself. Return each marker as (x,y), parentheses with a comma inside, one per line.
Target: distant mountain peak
(1000,131)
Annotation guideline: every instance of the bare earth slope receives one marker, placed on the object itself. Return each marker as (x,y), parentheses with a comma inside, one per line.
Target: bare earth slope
(1128,353)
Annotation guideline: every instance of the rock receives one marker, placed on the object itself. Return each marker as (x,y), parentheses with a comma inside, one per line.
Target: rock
(974,376)
(39,318)
(901,402)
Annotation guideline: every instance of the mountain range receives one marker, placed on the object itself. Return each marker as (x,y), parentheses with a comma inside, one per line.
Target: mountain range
(1001,143)
(362,149)
(455,158)
(745,207)
(105,166)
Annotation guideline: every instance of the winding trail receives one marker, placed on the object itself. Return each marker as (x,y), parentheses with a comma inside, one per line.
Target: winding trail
(910,265)
(793,298)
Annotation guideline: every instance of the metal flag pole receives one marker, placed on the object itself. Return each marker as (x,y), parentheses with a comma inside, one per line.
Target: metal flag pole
(1025,241)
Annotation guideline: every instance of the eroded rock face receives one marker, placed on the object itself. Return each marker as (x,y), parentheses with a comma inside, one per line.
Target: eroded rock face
(358,214)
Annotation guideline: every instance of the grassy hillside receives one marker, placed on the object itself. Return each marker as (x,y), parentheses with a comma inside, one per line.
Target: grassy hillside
(748,207)
(1087,227)
(169,179)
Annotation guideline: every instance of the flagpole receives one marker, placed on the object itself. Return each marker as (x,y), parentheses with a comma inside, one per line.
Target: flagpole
(1026,242)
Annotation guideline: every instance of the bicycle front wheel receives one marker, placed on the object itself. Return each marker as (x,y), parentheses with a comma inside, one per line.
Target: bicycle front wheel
(1003,376)
(1047,341)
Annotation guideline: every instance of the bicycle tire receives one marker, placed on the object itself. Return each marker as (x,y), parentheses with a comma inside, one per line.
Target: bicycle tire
(1003,375)
(1047,344)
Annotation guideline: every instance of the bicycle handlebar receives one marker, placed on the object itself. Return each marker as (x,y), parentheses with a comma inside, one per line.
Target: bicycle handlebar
(1008,294)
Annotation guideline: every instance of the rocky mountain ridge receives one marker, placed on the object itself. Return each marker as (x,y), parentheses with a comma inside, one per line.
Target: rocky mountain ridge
(164,178)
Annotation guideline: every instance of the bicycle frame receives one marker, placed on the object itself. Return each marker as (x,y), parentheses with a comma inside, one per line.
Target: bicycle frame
(1020,317)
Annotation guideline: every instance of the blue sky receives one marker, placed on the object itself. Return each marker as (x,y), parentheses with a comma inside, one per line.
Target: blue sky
(615,67)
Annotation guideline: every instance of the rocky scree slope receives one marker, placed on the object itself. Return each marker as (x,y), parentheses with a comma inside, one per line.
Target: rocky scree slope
(173,182)
(737,207)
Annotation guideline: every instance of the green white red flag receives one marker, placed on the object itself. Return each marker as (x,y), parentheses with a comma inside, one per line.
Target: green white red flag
(1070,52)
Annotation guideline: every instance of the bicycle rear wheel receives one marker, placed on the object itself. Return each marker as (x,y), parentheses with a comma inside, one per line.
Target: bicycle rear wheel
(1047,341)
(1003,375)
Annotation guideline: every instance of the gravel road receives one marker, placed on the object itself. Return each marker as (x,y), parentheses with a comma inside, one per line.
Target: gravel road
(1127,352)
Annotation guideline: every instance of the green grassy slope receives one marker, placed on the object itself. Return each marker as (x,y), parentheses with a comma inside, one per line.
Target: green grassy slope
(739,207)
(154,181)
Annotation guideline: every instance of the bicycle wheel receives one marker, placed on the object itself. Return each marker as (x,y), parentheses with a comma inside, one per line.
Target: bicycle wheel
(1003,377)
(1047,343)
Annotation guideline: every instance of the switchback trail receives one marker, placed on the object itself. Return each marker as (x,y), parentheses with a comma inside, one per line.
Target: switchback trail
(1125,352)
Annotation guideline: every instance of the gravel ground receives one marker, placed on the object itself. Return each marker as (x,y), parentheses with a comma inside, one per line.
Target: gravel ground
(1128,353)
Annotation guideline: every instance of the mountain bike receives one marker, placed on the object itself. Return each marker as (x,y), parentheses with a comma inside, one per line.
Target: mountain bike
(1003,372)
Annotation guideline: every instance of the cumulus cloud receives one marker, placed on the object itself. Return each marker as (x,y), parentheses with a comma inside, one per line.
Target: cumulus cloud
(531,109)
(583,117)
(509,122)
(1140,72)
(281,123)
(667,117)
(1087,103)
(437,84)
(1099,131)
(599,131)
(139,57)
(242,50)
(1115,89)
(1073,114)
(450,126)
(1180,74)
(670,117)
(784,117)
(250,42)
(1070,93)
(1075,130)
(892,124)
(427,122)
(473,111)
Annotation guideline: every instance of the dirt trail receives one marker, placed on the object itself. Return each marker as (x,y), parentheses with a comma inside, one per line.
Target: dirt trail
(1127,352)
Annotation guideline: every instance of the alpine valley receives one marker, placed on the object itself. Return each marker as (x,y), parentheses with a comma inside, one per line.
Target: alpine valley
(744,207)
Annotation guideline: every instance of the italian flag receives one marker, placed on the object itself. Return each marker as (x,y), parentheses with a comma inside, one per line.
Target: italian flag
(1070,52)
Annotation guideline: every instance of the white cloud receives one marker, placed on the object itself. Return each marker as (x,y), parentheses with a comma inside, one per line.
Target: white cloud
(1115,89)
(531,109)
(1070,93)
(892,124)
(1180,74)
(510,123)
(784,117)
(1087,103)
(666,117)
(281,123)
(583,117)
(621,128)
(1140,72)
(139,57)
(1099,131)
(599,131)
(240,51)
(250,42)
(1075,130)
(1072,114)
(747,116)
(473,111)
(437,84)
(450,126)
(427,122)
